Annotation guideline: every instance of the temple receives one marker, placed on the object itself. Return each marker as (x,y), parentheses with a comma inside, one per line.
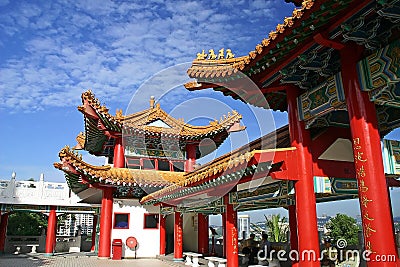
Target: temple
(147,151)
(333,66)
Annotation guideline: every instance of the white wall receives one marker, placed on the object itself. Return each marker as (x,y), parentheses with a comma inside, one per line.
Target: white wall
(189,232)
(148,239)
(190,223)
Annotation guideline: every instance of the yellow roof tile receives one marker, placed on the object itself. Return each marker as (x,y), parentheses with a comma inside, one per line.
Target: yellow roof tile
(107,174)
(139,122)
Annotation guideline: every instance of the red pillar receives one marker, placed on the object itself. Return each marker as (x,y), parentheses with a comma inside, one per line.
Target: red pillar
(224,235)
(190,157)
(304,188)
(202,233)
(178,237)
(231,234)
(162,235)
(94,230)
(294,243)
(106,223)
(119,156)
(3,231)
(51,231)
(372,189)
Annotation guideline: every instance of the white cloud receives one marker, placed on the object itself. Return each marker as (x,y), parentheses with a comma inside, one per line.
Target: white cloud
(55,48)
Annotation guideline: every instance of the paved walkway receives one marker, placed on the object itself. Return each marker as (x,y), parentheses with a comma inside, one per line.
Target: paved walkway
(74,260)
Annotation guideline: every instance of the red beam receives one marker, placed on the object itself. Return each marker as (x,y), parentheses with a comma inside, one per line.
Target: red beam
(331,168)
(323,141)
(275,155)
(336,21)
(324,40)
(393,182)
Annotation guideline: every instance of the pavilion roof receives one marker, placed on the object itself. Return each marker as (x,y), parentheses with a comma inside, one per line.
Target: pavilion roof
(82,172)
(302,50)
(278,140)
(231,168)
(100,125)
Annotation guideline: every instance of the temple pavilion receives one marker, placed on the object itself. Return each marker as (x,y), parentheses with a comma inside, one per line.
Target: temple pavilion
(333,66)
(147,151)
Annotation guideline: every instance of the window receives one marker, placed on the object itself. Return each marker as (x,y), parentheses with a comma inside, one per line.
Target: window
(163,165)
(133,163)
(148,164)
(121,220)
(150,221)
(179,166)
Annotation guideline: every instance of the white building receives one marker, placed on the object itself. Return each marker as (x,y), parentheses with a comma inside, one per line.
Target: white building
(74,222)
(243,226)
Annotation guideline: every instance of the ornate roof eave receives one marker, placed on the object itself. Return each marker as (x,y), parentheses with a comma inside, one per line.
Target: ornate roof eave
(80,140)
(279,49)
(72,163)
(218,68)
(277,139)
(137,122)
(231,167)
(296,2)
(276,42)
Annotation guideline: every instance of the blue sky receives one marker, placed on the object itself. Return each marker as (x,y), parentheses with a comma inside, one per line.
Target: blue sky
(52,51)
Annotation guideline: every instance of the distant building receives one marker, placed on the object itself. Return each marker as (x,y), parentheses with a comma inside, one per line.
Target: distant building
(359,220)
(243,226)
(74,222)
(322,221)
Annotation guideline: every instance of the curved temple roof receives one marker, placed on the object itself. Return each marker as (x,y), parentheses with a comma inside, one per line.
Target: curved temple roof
(72,163)
(200,175)
(229,67)
(100,125)
(275,141)
(303,50)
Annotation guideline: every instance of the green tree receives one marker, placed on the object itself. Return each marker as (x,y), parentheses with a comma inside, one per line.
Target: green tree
(343,227)
(26,223)
(277,228)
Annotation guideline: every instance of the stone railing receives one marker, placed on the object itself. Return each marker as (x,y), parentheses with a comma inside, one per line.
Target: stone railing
(36,192)
(24,244)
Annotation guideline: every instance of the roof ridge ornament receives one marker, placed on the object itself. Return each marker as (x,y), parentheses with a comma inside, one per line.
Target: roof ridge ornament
(212,56)
(152,100)
(119,114)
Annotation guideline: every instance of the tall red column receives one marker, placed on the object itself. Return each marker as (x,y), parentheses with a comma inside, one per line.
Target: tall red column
(106,223)
(119,155)
(190,157)
(163,234)
(3,231)
(372,189)
(224,235)
(294,243)
(178,237)
(51,231)
(94,230)
(202,233)
(231,234)
(304,188)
